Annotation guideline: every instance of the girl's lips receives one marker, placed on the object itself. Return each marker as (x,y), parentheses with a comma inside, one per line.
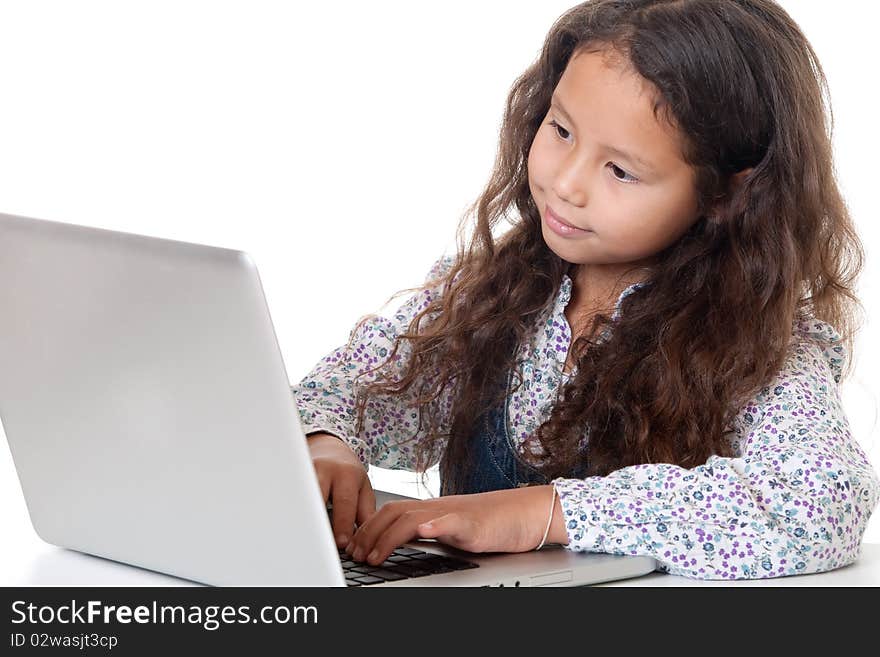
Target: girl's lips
(560,226)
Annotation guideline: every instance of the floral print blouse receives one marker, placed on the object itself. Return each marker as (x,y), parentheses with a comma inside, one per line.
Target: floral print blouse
(796,499)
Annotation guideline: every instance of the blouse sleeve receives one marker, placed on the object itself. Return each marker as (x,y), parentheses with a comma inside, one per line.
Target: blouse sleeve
(797,500)
(325,397)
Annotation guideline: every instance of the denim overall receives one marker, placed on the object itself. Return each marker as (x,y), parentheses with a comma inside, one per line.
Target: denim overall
(495,465)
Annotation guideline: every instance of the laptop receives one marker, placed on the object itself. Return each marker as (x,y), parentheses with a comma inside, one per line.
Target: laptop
(150,419)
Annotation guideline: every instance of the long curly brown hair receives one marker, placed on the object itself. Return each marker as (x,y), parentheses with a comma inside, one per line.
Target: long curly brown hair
(714,321)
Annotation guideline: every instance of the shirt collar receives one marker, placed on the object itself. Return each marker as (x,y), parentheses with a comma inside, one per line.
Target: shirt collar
(565,295)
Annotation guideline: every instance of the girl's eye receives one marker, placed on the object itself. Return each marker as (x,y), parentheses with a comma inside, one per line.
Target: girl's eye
(558,127)
(632,179)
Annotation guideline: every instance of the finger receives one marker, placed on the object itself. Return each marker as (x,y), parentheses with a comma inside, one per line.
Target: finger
(402,530)
(452,529)
(324,483)
(345,499)
(367,534)
(366,504)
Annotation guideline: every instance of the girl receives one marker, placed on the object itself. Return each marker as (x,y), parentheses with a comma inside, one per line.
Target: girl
(654,347)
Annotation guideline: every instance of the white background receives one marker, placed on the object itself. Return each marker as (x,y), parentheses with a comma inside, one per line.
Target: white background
(337,143)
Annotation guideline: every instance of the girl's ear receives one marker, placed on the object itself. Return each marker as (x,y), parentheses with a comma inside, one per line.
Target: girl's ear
(735,181)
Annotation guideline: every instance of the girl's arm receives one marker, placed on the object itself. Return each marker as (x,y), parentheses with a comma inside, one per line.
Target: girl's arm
(325,396)
(796,501)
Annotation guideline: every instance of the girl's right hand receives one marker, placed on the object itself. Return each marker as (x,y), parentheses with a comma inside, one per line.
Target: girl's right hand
(344,482)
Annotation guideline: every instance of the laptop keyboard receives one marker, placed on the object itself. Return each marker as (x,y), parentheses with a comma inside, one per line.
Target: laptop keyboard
(403,563)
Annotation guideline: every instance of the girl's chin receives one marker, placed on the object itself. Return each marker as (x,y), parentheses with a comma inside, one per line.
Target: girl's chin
(566,249)
(564,255)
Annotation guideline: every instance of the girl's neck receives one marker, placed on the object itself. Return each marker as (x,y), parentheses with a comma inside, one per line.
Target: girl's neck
(596,288)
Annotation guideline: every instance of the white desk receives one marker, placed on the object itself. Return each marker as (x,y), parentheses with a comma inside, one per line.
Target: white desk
(52,566)
(28,561)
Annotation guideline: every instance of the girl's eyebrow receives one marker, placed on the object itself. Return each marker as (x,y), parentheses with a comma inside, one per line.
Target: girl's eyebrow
(632,157)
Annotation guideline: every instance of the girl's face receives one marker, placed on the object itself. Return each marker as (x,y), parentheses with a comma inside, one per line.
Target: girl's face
(602,163)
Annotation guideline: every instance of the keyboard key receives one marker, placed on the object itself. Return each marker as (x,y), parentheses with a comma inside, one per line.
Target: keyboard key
(399,558)
(351,582)
(432,567)
(368,579)
(411,571)
(388,575)
(363,569)
(408,551)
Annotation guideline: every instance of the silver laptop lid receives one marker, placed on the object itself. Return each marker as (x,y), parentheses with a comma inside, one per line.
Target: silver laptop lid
(147,408)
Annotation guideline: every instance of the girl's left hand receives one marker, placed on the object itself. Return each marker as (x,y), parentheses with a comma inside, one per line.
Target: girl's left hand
(498,521)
